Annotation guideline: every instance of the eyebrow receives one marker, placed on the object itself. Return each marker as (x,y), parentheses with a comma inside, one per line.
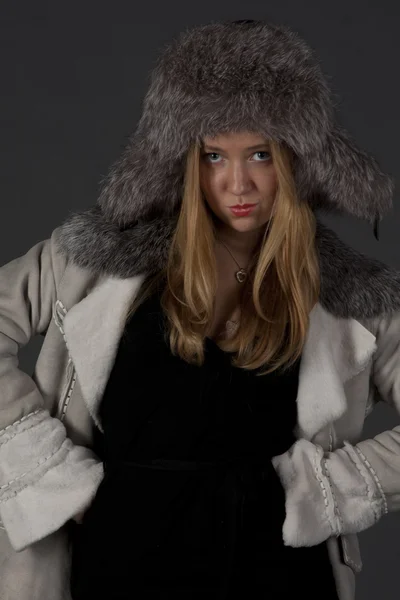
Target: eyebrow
(216,148)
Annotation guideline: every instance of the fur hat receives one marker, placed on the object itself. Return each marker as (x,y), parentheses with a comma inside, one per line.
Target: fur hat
(214,78)
(235,76)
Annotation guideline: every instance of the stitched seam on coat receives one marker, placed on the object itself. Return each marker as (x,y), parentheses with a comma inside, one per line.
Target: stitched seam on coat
(375,476)
(20,421)
(337,511)
(9,438)
(68,397)
(324,492)
(41,461)
(62,306)
(369,489)
(59,325)
(56,316)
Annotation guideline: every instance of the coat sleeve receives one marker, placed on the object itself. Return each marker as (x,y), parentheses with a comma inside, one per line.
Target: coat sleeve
(44,478)
(350,489)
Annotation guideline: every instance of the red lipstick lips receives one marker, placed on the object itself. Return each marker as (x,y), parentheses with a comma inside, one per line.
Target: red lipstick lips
(242,210)
(242,206)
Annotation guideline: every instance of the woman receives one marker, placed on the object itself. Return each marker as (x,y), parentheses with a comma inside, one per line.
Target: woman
(205,410)
(206,371)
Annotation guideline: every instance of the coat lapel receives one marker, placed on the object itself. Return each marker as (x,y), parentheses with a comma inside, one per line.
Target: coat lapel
(93,328)
(336,349)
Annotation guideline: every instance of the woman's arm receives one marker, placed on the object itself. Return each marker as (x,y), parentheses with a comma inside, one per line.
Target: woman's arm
(44,478)
(351,488)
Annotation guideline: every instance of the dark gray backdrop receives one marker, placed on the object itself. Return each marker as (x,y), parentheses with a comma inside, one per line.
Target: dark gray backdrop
(73,77)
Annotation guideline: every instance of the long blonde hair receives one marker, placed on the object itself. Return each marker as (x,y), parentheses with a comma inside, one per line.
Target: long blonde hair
(281,288)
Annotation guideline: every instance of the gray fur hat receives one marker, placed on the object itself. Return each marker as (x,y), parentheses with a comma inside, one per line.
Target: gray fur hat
(210,79)
(226,77)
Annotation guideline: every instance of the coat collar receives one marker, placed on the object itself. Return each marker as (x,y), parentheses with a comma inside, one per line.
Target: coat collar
(335,350)
(353,286)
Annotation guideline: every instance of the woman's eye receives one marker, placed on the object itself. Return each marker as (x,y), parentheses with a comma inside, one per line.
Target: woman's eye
(208,155)
(263,152)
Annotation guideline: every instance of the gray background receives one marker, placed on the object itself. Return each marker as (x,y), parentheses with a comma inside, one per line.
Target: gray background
(73,77)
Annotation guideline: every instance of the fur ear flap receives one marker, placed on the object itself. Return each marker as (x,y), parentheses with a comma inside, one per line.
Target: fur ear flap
(345,178)
(140,185)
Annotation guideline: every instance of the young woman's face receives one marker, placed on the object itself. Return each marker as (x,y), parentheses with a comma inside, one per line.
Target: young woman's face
(237,169)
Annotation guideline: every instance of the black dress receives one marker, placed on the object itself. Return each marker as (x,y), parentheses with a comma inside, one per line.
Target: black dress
(190,505)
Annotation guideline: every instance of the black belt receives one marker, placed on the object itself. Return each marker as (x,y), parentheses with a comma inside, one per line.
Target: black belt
(238,472)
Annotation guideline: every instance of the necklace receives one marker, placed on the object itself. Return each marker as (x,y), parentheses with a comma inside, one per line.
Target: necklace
(241,274)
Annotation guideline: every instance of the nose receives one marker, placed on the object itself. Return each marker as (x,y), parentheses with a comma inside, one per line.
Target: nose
(238,180)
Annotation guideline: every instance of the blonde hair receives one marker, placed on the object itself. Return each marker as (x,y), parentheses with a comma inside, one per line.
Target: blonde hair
(281,288)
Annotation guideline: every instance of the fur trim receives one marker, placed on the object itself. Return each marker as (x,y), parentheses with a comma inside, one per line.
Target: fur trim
(352,284)
(99,245)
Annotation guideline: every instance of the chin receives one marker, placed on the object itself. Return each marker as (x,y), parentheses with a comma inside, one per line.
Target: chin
(244,224)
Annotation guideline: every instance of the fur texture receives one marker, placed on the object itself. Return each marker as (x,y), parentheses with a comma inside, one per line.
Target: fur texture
(253,76)
(352,284)
(224,77)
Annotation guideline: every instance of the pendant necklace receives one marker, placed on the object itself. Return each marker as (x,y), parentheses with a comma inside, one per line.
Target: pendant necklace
(241,274)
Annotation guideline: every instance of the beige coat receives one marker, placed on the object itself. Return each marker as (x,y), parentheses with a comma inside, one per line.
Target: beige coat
(335,485)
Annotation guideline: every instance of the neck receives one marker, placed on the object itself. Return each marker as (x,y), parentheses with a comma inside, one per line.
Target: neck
(241,244)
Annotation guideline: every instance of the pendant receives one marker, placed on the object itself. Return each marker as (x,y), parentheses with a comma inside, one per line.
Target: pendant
(241,275)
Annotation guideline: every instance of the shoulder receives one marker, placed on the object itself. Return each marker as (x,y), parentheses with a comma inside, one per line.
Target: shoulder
(59,260)
(72,281)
